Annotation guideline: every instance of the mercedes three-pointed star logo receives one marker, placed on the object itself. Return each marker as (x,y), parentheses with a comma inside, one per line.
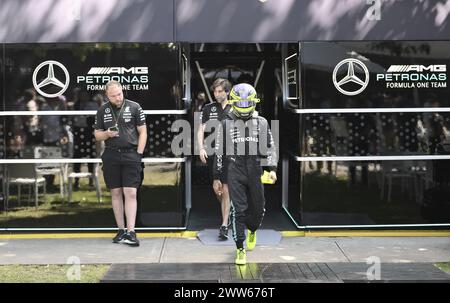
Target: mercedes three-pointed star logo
(351,77)
(51,79)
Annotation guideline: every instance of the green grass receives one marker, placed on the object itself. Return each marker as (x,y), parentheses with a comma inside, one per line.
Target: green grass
(159,189)
(84,211)
(91,273)
(444,267)
(324,193)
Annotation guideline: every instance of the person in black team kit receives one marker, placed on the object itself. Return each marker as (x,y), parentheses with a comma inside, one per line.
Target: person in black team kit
(244,139)
(121,123)
(211,114)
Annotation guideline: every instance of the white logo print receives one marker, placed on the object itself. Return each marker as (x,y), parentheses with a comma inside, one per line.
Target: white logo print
(351,77)
(118,70)
(51,79)
(127,109)
(107,110)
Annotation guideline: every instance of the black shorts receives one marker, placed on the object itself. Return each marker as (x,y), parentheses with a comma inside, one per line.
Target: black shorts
(122,169)
(210,161)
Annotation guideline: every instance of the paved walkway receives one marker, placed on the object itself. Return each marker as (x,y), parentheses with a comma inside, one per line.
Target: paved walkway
(275,273)
(191,250)
(344,257)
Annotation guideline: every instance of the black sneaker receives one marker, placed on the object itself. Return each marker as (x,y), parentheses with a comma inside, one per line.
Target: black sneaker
(223,233)
(131,239)
(120,235)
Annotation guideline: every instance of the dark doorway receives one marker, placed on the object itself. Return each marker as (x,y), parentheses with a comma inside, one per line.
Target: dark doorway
(260,66)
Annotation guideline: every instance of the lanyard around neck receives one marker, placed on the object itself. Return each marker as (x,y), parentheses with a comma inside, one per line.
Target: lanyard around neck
(120,112)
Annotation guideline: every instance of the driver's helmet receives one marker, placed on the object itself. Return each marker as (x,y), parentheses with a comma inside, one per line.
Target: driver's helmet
(243,100)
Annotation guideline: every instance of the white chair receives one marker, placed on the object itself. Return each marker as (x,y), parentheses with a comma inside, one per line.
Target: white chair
(43,169)
(423,171)
(3,180)
(24,174)
(94,176)
(402,171)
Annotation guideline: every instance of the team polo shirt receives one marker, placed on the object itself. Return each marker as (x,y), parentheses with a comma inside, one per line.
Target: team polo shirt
(214,112)
(128,119)
(211,115)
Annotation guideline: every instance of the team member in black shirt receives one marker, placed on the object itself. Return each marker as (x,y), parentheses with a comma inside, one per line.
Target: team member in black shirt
(211,115)
(121,123)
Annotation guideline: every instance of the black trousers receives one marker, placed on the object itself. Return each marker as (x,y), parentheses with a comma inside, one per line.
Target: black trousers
(246,197)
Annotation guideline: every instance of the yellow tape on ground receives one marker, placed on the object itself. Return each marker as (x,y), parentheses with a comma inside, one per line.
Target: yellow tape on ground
(193,234)
(378,233)
(184,234)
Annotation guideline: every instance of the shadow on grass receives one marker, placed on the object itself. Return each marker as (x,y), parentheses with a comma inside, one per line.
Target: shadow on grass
(327,194)
(87,212)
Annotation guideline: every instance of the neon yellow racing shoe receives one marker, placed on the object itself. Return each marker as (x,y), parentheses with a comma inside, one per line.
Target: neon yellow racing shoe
(251,240)
(241,256)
